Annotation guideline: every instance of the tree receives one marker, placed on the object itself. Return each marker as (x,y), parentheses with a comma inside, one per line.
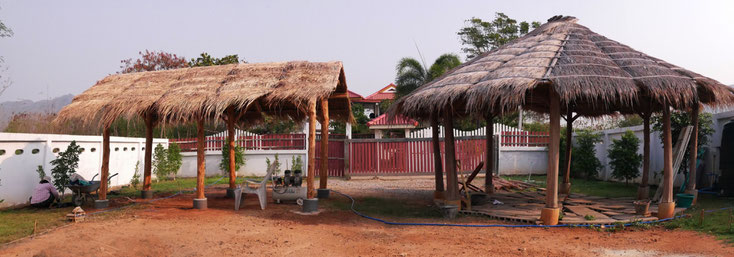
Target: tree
(274,125)
(481,36)
(174,158)
(4,81)
(360,124)
(411,74)
(152,61)
(630,121)
(584,162)
(65,164)
(239,158)
(160,162)
(678,121)
(624,159)
(207,60)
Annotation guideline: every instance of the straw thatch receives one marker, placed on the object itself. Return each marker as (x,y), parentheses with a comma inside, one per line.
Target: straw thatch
(592,74)
(180,95)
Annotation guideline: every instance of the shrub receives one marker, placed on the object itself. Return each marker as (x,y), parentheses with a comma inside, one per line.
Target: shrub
(623,156)
(166,162)
(174,158)
(276,171)
(65,165)
(296,163)
(239,158)
(41,172)
(583,160)
(135,180)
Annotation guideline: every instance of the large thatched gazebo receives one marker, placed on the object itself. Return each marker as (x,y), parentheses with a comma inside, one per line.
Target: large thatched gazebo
(562,68)
(235,93)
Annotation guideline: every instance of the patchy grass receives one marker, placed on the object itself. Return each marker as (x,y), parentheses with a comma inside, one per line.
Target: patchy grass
(383,207)
(167,187)
(590,187)
(18,223)
(715,223)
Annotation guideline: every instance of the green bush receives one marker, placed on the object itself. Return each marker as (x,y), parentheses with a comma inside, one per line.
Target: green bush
(41,172)
(583,160)
(623,156)
(276,171)
(166,162)
(135,180)
(239,158)
(296,163)
(64,165)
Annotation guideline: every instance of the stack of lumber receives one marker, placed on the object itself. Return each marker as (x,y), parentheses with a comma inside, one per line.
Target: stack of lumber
(508,185)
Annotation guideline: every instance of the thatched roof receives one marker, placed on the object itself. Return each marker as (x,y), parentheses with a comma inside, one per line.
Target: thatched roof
(592,74)
(281,89)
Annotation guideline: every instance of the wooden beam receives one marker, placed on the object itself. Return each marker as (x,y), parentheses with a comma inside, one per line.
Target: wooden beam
(489,155)
(200,159)
(311,149)
(324,171)
(437,163)
(147,166)
(666,207)
(549,214)
(566,187)
(643,191)
(105,172)
(693,153)
(231,117)
(452,180)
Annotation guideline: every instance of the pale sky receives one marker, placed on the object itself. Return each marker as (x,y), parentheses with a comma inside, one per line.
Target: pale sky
(66,46)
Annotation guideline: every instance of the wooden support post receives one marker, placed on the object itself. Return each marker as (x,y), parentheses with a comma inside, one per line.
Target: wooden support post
(230,141)
(643,192)
(324,169)
(311,150)
(437,163)
(693,154)
(105,172)
(147,193)
(666,207)
(200,199)
(549,214)
(489,155)
(566,186)
(452,180)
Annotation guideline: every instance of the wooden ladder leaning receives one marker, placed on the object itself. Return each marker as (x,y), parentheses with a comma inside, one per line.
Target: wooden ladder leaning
(679,152)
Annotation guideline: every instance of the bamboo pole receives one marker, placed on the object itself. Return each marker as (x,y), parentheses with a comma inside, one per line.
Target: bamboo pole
(489,155)
(230,141)
(643,192)
(666,208)
(324,171)
(693,154)
(200,159)
(452,187)
(311,149)
(566,187)
(549,214)
(148,166)
(105,172)
(437,163)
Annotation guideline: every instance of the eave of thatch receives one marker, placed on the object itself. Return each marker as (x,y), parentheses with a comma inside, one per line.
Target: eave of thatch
(280,89)
(592,74)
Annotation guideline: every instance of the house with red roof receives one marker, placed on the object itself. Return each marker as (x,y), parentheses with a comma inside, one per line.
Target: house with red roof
(371,103)
(382,125)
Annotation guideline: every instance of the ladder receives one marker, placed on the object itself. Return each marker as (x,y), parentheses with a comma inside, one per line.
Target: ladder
(679,152)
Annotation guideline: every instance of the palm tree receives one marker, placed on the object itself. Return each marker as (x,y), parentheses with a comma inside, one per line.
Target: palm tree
(411,74)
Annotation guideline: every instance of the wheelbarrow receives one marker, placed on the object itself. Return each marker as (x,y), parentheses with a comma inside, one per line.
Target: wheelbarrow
(83,193)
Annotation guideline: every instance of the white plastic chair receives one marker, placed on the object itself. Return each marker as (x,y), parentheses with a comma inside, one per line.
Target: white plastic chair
(260,190)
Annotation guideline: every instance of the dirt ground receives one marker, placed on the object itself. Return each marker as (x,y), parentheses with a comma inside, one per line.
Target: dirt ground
(171,228)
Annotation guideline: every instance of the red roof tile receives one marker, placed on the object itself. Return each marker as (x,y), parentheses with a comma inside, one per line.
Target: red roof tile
(398,120)
(383,93)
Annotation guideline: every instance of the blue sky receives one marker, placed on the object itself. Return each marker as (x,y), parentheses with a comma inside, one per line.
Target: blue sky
(64,47)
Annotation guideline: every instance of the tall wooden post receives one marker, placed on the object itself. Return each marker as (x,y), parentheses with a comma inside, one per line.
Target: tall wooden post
(693,154)
(666,207)
(231,134)
(549,214)
(147,193)
(452,187)
(102,202)
(489,155)
(200,200)
(566,186)
(643,192)
(324,169)
(437,163)
(311,150)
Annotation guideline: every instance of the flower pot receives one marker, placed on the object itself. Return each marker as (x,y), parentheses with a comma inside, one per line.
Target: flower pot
(641,207)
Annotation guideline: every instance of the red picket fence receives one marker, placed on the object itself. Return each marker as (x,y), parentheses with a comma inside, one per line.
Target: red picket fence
(336,155)
(524,138)
(257,142)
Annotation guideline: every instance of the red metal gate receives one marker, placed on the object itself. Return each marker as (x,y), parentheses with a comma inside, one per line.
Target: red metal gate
(336,155)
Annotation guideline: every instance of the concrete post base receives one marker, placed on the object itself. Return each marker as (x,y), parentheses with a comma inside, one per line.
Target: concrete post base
(643,192)
(694,192)
(101,204)
(666,210)
(549,216)
(310,205)
(146,194)
(200,204)
(230,192)
(322,193)
(565,188)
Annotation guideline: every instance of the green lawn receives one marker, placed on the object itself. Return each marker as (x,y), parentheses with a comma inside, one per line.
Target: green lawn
(19,222)
(716,223)
(167,187)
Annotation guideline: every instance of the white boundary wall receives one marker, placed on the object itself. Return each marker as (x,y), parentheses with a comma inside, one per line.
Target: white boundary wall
(255,164)
(18,174)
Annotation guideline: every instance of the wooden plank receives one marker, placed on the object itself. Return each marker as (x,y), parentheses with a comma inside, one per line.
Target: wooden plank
(584,211)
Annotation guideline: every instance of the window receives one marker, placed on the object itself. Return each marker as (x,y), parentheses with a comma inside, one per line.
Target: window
(132,149)
(93,149)
(82,150)
(18,151)
(35,151)
(117,149)
(56,150)
(2,151)
(124,148)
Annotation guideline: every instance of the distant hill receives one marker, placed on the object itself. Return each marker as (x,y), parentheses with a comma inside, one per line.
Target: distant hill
(10,108)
